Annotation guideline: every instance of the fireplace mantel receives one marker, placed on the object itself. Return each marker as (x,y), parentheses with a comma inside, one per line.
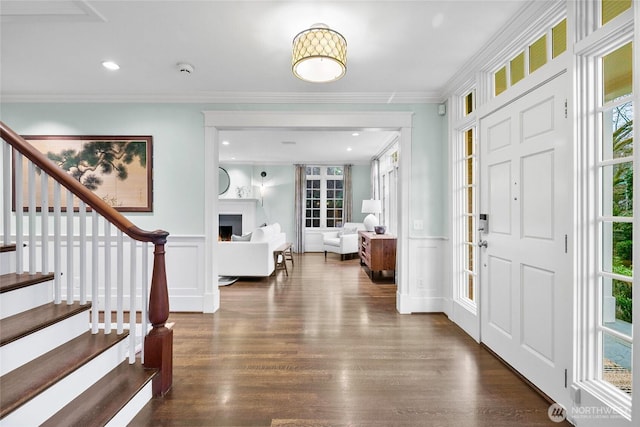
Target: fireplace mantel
(245,207)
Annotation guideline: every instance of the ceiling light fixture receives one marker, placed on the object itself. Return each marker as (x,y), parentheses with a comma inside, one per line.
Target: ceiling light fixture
(110,65)
(319,54)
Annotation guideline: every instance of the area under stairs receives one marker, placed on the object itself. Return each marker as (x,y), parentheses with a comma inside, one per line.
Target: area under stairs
(54,371)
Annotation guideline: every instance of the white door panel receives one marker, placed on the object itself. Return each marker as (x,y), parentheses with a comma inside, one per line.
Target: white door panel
(525,283)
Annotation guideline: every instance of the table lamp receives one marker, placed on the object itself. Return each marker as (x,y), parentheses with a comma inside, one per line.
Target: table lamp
(371,207)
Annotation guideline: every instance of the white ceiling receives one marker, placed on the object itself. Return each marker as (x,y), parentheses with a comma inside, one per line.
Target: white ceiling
(398,51)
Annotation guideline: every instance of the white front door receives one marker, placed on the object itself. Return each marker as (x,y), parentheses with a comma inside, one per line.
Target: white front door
(525,268)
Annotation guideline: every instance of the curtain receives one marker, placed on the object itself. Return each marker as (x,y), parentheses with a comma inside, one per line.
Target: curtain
(347,206)
(299,226)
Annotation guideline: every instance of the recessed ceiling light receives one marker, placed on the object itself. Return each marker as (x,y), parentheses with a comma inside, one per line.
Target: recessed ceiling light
(349,148)
(110,65)
(355,134)
(225,142)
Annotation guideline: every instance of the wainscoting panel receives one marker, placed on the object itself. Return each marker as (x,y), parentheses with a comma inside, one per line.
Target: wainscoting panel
(426,292)
(184,261)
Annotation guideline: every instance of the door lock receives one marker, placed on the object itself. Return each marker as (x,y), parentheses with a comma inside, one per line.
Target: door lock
(483,243)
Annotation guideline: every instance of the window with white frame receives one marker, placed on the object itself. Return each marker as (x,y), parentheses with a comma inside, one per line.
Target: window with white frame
(324,197)
(465,190)
(615,170)
(468,191)
(547,46)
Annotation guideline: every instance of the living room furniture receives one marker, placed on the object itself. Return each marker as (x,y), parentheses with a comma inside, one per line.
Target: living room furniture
(343,241)
(281,255)
(377,251)
(253,258)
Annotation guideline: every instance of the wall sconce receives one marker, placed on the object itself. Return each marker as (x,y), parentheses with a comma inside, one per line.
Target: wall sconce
(263,174)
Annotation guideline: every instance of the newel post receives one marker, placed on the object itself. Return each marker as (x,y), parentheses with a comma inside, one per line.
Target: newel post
(158,344)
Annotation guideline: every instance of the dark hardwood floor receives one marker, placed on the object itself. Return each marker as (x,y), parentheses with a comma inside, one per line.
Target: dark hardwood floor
(326,347)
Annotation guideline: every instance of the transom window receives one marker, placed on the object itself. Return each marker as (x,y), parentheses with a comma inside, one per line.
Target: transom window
(549,45)
(324,197)
(612,8)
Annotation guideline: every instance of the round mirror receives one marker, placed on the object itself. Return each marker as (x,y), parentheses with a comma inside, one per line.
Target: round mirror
(223,181)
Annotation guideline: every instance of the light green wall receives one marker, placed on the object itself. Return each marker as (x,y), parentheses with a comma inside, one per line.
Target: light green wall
(361,183)
(178,153)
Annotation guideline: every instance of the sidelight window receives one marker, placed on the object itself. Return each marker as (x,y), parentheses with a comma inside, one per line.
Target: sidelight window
(615,219)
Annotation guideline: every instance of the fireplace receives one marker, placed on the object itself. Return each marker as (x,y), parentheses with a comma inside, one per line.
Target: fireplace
(224,233)
(228,225)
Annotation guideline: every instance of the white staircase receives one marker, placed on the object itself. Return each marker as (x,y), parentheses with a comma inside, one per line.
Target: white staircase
(76,348)
(54,371)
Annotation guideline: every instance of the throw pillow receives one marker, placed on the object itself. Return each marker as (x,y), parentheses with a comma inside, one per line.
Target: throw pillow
(243,238)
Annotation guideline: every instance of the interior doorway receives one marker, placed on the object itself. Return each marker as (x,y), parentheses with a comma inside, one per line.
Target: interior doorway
(216,121)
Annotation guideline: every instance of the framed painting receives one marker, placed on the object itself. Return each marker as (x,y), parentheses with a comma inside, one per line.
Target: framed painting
(118,169)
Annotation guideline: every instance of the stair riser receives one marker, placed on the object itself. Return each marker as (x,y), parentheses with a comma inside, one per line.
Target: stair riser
(24,299)
(47,403)
(7,262)
(24,350)
(134,406)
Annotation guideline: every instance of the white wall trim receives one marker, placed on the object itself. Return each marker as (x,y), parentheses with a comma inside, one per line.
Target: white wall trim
(425,281)
(233,97)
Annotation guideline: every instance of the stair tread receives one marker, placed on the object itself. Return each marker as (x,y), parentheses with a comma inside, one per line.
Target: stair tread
(8,248)
(30,321)
(100,402)
(13,281)
(27,381)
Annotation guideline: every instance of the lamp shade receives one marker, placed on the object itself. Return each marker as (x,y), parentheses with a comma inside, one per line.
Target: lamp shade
(371,206)
(319,54)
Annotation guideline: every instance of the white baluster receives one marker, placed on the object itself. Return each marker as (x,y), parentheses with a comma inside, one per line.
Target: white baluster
(144,293)
(95,247)
(82,248)
(70,272)
(132,302)
(107,277)
(6,192)
(57,244)
(32,217)
(44,213)
(119,283)
(19,214)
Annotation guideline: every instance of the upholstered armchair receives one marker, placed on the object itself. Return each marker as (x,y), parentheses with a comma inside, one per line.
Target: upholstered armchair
(343,241)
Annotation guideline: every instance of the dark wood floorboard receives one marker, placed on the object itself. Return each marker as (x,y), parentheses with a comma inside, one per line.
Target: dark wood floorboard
(326,347)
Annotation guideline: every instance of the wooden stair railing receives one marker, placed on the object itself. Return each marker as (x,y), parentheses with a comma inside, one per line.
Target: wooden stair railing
(158,343)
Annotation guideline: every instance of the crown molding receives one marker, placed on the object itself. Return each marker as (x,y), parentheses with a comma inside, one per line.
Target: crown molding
(230,98)
(49,11)
(521,27)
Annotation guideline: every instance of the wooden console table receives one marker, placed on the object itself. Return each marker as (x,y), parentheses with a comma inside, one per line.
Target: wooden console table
(377,251)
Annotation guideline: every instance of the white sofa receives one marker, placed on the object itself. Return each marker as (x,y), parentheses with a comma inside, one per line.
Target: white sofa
(343,241)
(252,258)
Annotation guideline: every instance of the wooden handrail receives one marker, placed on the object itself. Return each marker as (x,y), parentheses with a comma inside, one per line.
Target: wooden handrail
(83,193)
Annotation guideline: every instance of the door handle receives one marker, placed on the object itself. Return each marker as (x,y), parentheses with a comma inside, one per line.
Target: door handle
(483,243)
